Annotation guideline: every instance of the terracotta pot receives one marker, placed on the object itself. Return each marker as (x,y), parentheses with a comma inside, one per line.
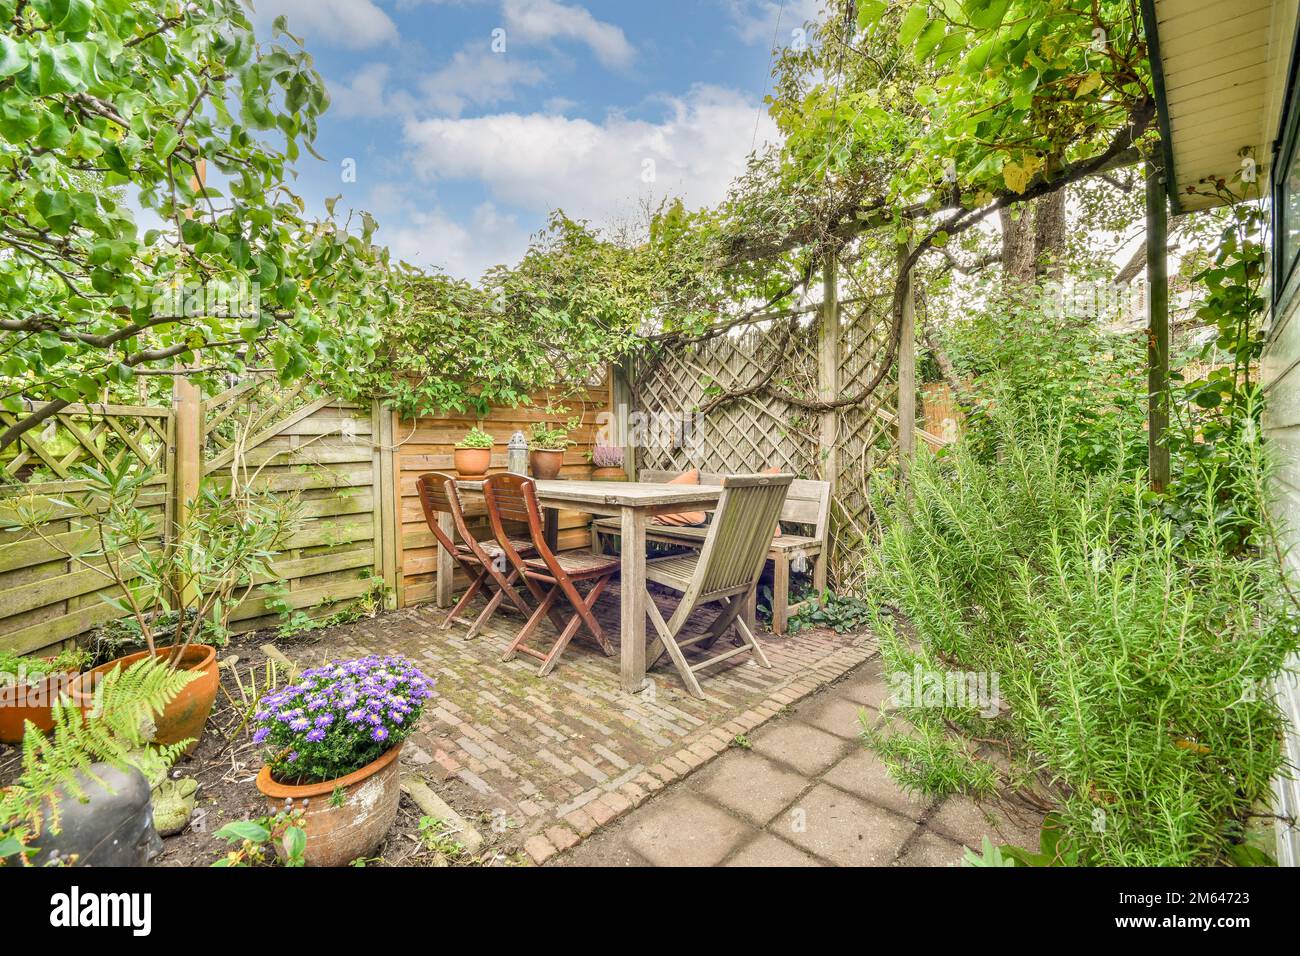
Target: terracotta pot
(608,474)
(545,463)
(471,463)
(340,830)
(185,716)
(21,703)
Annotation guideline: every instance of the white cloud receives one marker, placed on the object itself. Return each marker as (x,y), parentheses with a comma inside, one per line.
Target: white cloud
(599,171)
(542,20)
(477,76)
(433,239)
(761,21)
(355,24)
(367,96)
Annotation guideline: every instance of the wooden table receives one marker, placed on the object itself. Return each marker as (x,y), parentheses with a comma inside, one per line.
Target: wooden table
(634,503)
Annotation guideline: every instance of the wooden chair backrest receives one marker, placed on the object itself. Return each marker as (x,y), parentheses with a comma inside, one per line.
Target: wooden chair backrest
(435,490)
(808,501)
(739,536)
(511,497)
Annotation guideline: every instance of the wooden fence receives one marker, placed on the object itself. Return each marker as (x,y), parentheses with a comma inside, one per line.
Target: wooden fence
(351,468)
(46,597)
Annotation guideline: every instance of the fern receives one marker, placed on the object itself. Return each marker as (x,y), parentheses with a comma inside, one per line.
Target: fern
(117,732)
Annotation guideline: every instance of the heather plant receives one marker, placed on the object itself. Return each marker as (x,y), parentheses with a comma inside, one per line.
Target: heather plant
(339,717)
(607,456)
(1134,660)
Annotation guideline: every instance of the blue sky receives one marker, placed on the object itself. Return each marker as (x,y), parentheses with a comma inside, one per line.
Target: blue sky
(467,120)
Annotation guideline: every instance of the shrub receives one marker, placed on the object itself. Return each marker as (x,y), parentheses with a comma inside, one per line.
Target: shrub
(337,718)
(1132,662)
(543,437)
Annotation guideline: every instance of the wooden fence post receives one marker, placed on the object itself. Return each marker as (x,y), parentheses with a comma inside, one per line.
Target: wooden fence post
(187,413)
(906,376)
(828,370)
(1157,327)
(388,490)
(620,402)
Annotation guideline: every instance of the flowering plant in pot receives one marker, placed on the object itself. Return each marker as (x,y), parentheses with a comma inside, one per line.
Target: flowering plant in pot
(332,740)
(473,453)
(175,591)
(546,445)
(607,463)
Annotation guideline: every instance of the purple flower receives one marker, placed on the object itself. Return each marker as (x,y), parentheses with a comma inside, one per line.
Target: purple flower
(379,734)
(316,736)
(260,735)
(300,723)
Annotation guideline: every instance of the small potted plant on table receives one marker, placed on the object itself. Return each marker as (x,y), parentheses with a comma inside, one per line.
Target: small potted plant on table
(607,463)
(546,446)
(333,738)
(472,454)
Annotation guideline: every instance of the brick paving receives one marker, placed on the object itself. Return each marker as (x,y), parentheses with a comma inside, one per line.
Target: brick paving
(558,758)
(806,793)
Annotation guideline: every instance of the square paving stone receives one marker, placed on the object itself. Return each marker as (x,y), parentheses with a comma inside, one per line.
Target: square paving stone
(963,820)
(837,827)
(807,749)
(867,687)
(930,849)
(751,785)
(863,774)
(767,850)
(835,715)
(683,830)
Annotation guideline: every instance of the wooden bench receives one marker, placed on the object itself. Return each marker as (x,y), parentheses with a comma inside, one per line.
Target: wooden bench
(807,504)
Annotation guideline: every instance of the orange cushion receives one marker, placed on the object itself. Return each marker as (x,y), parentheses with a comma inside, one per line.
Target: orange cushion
(774,471)
(684,518)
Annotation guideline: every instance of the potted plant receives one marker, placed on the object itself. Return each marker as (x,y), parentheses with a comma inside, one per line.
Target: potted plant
(29,687)
(607,463)
(472,454)
(546,447)
(209,569)
(332,739)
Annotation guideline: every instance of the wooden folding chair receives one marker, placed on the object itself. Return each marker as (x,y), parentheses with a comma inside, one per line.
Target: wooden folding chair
(725,571)
(514,498)
(483,561)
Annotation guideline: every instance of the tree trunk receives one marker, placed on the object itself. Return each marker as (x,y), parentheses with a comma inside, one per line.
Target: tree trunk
(1033,238)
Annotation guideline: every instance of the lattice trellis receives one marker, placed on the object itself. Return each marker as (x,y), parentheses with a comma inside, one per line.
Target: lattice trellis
(102,436)
(759,431)
(250,407)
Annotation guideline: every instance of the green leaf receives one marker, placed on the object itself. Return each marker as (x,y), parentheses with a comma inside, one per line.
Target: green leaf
(249,830)
(13,56)
(913,22)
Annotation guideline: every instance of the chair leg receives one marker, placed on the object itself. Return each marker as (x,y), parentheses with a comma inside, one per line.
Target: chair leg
(819,574)
(780,593)
(670,645)
(474,587)
(749,606)
(553,655)
(747,636)
(597,543)
(543,609)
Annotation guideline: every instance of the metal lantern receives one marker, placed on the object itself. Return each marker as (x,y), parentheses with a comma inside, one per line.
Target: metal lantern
(517,454)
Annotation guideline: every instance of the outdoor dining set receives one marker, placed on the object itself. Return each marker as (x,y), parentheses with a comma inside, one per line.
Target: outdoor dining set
(717,564)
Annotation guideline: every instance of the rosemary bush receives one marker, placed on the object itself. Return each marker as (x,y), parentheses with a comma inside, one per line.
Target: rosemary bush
(1134,660)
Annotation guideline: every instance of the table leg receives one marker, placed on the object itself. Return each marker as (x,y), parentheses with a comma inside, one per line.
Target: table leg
(551,527)
(633,597)
(446,568)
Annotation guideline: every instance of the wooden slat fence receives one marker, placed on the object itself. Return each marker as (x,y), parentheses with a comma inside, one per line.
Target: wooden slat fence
(46,597)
